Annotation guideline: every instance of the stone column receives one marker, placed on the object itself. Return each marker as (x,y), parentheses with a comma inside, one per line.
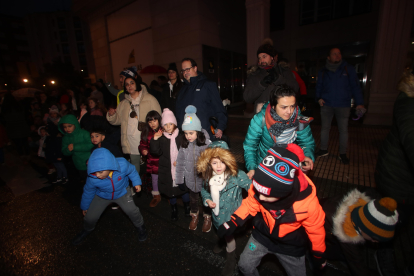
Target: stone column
(391,46)
(258,26)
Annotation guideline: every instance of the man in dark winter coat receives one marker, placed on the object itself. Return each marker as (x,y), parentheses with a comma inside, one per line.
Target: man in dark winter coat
(203,94)
(263,78)
(337,84)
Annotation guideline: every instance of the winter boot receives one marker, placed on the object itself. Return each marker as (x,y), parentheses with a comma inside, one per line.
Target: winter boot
(142,233)
(155,200)
(231,261)
(194,221)
(206,223)
(174,215)
(187,209)
(80,237)
(219,246)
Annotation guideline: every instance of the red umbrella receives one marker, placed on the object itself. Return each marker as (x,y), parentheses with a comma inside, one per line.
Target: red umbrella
(153,69)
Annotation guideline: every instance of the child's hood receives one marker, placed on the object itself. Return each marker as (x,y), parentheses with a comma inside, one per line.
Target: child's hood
(217,148)
(102,159)
(69,119)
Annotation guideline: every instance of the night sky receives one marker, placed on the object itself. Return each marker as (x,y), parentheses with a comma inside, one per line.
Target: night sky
(23,7)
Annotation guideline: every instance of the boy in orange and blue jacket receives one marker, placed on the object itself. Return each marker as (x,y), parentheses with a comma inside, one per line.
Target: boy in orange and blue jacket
(286,213)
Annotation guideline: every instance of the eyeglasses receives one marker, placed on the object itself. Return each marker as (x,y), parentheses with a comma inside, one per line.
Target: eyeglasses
(186,70)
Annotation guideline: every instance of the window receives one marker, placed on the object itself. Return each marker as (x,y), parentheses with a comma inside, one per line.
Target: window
(77,23)
(81,48)
(63,36)
(82,60)
(61,23)
(65,49)
(79,35)
(312,11)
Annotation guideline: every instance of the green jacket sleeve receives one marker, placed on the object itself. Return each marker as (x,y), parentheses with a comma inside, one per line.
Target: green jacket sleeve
(205,195)
(86,144)
(65,144)
(305,140)
(252,140)
(243,180)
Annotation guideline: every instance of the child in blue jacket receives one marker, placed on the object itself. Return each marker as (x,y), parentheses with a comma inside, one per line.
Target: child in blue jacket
(107,182)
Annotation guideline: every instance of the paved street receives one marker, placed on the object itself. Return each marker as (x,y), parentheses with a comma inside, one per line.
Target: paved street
(37,226)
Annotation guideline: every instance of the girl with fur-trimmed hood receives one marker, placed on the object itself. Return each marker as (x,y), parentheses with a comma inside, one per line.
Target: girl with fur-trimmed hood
(222,191)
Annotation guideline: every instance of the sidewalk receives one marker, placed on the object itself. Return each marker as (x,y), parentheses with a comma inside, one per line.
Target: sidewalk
(332,178)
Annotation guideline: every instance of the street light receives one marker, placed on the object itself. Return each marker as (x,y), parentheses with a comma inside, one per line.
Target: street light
(25,80)
(52,82)
(44,84)
(81,70)
(5,84)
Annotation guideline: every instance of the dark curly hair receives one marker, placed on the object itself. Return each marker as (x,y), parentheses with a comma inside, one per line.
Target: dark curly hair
(281,91)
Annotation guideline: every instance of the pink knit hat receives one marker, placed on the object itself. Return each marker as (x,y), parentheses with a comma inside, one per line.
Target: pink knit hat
(168,117)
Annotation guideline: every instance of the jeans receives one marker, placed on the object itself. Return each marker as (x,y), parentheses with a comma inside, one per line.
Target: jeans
(185,197)
(99,204)
(342,118)
(60,170)
(254,252)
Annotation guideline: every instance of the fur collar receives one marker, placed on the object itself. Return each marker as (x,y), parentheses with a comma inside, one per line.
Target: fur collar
(340,221)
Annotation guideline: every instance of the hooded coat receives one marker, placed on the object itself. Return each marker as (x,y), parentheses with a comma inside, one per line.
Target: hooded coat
(186,165)
(258,141)
(152,161)
(341,236)
(231,196)
(111,187)
(81,140)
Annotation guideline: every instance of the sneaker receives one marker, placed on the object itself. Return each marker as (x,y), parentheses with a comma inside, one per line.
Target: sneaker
(344,159)
(206,224)
(115,207)
(194,221)
(80,237)
(142,233)
(231,261)
(219,246)
(385,262)
(322,153)
(57,181)
(51,171)
(64,180)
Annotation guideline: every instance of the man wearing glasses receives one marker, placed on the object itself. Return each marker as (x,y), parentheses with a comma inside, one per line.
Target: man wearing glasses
(204,95)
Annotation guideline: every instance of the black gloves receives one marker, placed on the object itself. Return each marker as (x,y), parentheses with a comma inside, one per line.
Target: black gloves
(319,261)
(227,228)
(181,186)
(269,79)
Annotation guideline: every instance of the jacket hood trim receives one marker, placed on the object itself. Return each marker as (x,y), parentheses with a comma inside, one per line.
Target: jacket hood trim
(338,219)
(225,156)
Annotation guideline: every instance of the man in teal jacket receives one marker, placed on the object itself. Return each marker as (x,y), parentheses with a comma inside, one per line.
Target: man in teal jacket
(278,123)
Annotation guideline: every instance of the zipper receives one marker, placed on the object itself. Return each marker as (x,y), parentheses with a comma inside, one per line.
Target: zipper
(113,188)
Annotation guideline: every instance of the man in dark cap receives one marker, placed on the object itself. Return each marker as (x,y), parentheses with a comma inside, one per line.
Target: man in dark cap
(266,75)
(119,93)
(171,89)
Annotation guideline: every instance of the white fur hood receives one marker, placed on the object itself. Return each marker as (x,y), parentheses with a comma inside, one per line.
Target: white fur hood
(343,208)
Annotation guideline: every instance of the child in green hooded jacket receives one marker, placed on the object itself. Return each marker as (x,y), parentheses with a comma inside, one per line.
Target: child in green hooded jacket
(76,142)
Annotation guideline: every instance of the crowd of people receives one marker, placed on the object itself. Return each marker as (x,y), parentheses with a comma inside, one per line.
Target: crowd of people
(105,134)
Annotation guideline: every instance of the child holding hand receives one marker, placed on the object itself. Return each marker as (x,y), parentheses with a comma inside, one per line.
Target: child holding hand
(222,191)
(165,145)
(196,141)
(153,123)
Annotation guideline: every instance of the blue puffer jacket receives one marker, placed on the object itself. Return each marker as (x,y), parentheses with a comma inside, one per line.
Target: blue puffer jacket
(110,188)
(258,141)
(339,87)
(203,94)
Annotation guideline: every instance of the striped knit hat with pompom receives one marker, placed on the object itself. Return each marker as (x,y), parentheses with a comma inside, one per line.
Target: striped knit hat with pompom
(377,218)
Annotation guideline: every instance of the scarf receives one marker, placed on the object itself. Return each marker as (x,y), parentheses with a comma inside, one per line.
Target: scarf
(217,184)
(173,152)
(332,66)
(270,66)
(276,125)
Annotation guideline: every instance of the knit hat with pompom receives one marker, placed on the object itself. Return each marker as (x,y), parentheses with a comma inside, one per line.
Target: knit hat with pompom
(377,218)
(191,121)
